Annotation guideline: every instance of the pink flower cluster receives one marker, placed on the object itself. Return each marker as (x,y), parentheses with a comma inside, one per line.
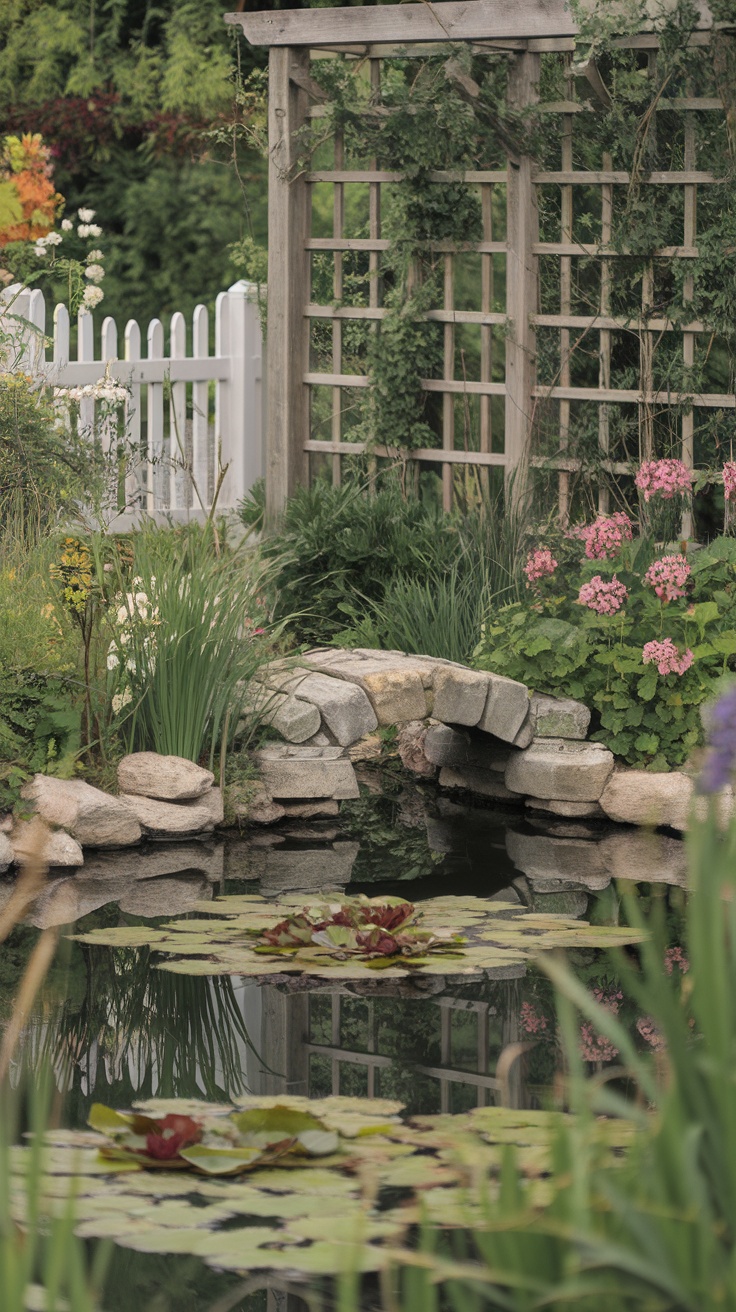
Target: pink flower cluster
(729,480)
(603,597)
(676,957)
(596,1047)
(530,1021)
(665,478)
(604,538)
(541,564)
(668,577)
(666,656)
(650,1034)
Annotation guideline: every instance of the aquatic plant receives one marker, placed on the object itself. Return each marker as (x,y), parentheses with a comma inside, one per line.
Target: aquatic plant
(471,934)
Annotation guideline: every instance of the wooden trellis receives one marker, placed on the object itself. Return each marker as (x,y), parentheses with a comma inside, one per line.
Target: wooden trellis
(513,402)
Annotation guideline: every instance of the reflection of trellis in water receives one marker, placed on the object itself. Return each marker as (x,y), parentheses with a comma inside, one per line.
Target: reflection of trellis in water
(508,400)
(462,1034)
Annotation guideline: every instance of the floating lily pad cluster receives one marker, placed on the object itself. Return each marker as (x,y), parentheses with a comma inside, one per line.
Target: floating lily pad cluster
(226,1145)
(294,1212)
(248,935)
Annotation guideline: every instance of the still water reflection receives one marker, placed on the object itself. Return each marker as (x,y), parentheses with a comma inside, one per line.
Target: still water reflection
(114,1029)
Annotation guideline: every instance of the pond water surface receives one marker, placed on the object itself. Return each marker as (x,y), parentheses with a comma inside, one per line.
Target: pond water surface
(115,1029)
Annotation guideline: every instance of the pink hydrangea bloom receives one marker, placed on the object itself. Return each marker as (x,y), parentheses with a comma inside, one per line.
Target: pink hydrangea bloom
(668,577)
(530,1021)
(729,480)
(541,564)
(596,1047)
(602,596)
(604,538)
(667,657)
(676,957)
(650,1034)
(665,478)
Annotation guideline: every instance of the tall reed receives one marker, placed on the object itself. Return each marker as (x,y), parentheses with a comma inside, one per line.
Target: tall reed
(657,1233)
(185,644)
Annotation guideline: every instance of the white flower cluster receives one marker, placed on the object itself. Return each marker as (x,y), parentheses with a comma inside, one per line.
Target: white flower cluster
(103,390)
(136,606)
(94,271)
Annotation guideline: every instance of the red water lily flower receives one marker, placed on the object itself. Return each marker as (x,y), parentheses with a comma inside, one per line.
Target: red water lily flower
(172,1133)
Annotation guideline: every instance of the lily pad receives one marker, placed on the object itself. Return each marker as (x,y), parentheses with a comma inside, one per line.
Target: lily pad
(323,1215)
(247,935)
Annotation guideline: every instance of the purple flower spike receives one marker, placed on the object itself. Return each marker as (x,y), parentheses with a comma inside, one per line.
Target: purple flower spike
(721,758)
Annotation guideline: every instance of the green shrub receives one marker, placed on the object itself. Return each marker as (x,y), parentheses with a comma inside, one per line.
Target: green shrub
(337,548)
(556,645)
(43,468)
(39,723)
(381,570)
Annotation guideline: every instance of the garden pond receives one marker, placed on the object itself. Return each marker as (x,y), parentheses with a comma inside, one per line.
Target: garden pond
(117,1029)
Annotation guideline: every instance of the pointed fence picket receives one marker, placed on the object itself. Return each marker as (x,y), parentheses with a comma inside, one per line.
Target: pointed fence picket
(196,418)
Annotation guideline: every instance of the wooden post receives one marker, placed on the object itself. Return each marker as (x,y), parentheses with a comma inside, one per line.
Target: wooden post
(288,282)
(521,273)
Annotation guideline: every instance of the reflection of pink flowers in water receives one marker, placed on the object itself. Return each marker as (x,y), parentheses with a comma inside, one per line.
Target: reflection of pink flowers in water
(676,957)
(605,598)
(667,657)
(541,564)
(665,478)
(530,1020)
(729,480)
(596,1047)
(650,1034)
(604,539)
(668,577)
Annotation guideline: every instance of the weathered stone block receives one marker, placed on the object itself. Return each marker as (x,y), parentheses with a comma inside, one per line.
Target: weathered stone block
(459,695)
(343,707)
(311,810)
(646,857)
(170,819)
(92,817)
(253,805)
(570,810)
(543,858)
(213,803)
(58,847)
(294,718)
(410,746)
(506,708)
(169,778)
(640,797)
(306,772)
(315,870)
(486,783)
(559,717)
(559,770)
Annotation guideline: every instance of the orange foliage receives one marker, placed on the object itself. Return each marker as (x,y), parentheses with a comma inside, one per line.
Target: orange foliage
(26,164)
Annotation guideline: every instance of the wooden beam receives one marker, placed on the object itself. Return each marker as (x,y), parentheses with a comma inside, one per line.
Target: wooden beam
(288,283)
(522,289)
(451,20)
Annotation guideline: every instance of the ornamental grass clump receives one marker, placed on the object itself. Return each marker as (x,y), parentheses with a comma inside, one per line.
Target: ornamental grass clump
(184,643)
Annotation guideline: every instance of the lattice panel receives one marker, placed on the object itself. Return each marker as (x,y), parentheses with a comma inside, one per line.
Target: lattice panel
(348,292)
(613,370)
(551,349)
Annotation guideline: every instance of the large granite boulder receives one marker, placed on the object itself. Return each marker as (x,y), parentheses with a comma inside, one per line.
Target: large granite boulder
(172,820)
(94,818)
(168,778)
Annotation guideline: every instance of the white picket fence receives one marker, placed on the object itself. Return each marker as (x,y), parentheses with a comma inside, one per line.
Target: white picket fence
(184,440)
